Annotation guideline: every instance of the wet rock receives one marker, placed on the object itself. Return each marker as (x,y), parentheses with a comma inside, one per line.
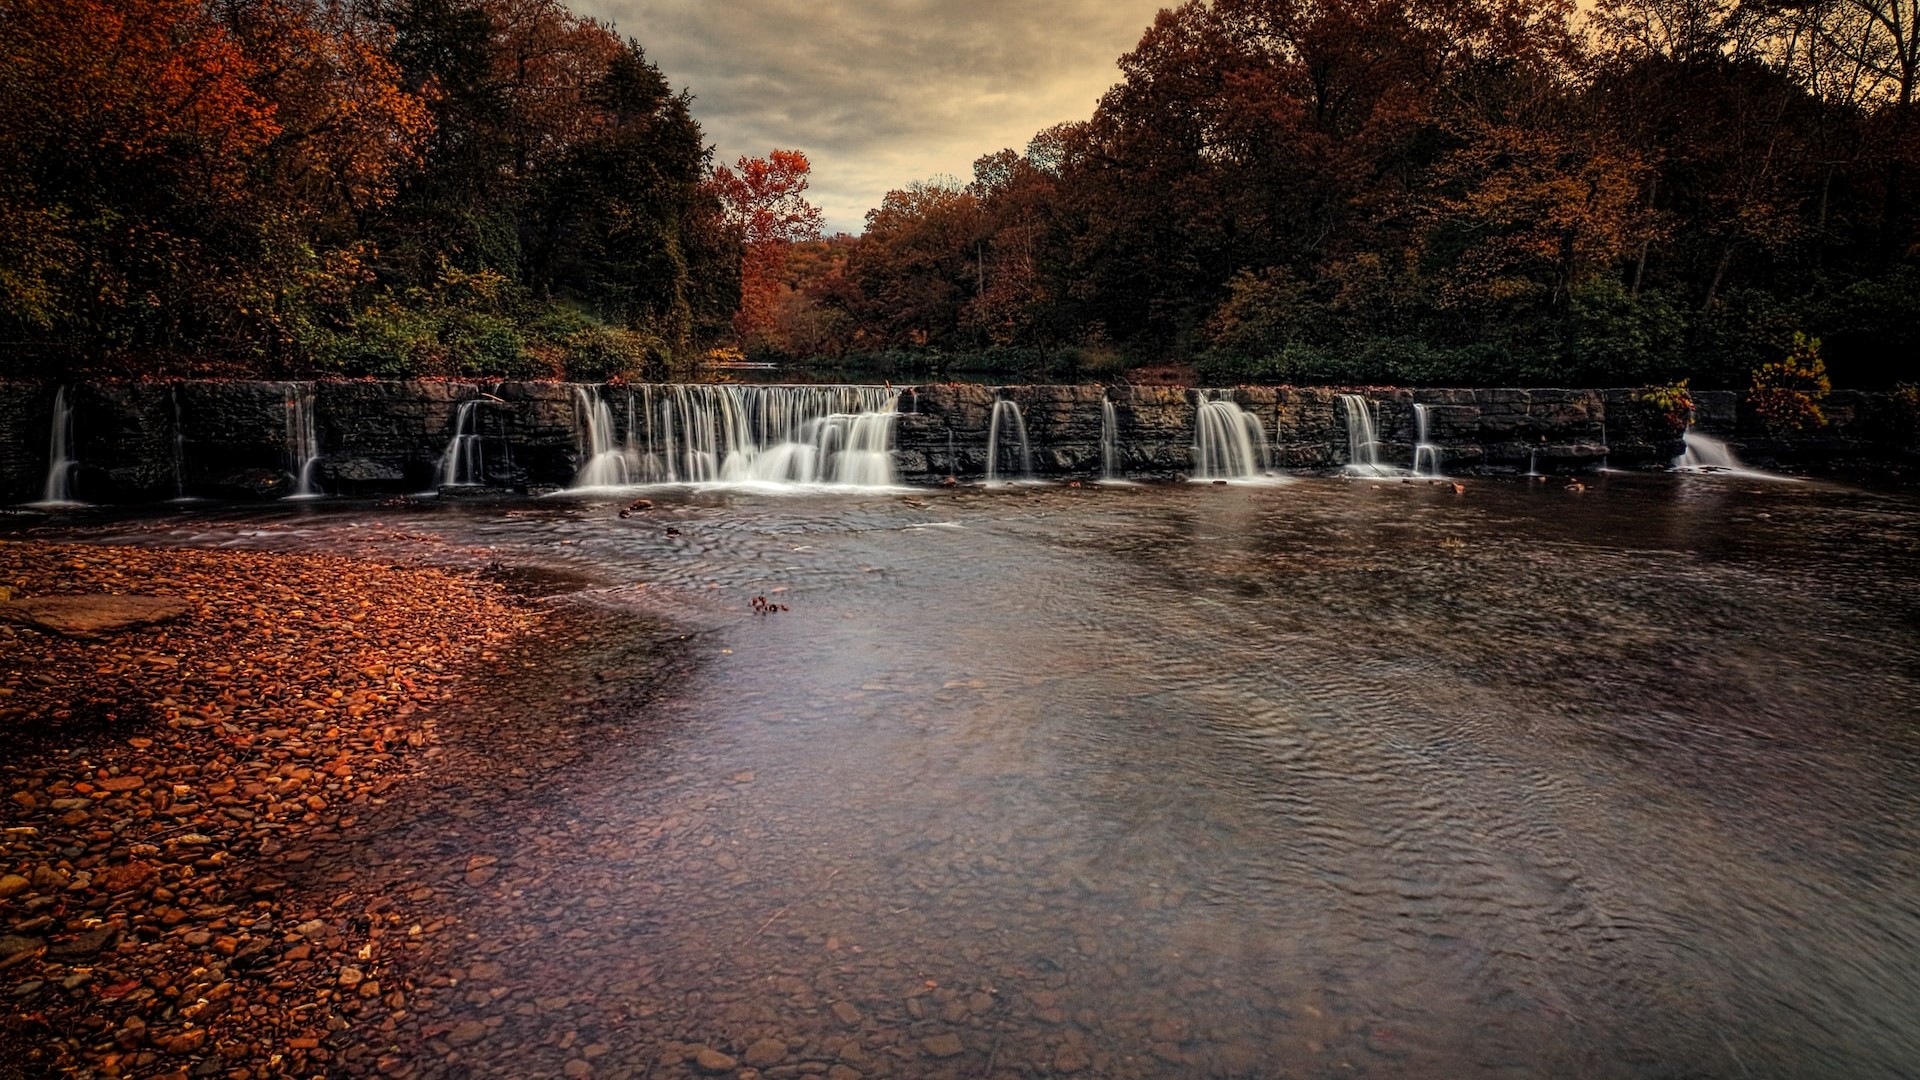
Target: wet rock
(1070,1059)
(466,1033)
(84,945)
(18,950)
(92,616)
(49,879)
(712,1062)
(766,1053)
(12,885)
(944,1045)
(847,1013)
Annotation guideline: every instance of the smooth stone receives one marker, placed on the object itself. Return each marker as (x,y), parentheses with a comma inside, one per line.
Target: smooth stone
(713,1062)
(466,1033)
(766,1053)
(944,1045)
(94,615)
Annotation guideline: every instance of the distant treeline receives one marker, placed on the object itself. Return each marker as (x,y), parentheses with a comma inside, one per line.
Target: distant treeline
(1422,192)
(356,186)
(1366,191)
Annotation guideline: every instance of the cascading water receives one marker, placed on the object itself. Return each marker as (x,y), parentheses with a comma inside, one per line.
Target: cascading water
(303,441)
(461,463)
(1109,441)
(1706,454)
(1229,443)
(1007,412)
(58,490)
(606,464)
(839,435)
(1426,455)
(1363,440)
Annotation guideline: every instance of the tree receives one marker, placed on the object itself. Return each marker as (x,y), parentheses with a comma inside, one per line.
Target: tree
(126,134)
(764,200)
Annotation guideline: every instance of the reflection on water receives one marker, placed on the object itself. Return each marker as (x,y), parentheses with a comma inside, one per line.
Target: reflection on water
(1315,780)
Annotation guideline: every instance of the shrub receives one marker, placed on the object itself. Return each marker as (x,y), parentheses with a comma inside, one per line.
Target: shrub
(606,353)
(1674,401)
(1787,393)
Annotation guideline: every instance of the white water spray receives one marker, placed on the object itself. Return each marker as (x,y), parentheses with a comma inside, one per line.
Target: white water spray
(1706,454)
(1008,413)
(303,441)
(1363,440)
(1109,441)
(1229,443)
(461,463)
(1426,455)
(780,435)
(58,490)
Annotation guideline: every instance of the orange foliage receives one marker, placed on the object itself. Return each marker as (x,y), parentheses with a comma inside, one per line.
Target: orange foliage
(347,126)
(765,199)
(139,78)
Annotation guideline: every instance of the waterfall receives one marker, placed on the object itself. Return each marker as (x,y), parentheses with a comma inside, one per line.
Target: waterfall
(1533,462)
(783,435)
(1229,443)
(1426,455)
(1363,442)
(1706,454)
(60,464)
(461,463)
(1109,441)
(303,441)
(605,464)
(1005,411)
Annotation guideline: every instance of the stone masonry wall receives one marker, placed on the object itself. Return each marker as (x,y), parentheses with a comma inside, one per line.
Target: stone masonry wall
(148,441)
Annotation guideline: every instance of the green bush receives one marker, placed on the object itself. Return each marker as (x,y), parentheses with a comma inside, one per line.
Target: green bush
(609,353)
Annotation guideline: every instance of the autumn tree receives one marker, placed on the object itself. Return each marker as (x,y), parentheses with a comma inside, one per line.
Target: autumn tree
(764,200)
(126,134)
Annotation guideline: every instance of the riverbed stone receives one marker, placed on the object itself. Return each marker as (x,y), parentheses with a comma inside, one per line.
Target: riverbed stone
(765,1053)
(93,615)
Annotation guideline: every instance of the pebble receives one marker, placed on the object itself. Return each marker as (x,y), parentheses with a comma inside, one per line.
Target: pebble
(466,1033)
(177,770)
(766,1053)
(944,1045)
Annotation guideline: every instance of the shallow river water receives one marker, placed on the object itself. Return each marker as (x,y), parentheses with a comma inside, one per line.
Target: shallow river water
(1318,779)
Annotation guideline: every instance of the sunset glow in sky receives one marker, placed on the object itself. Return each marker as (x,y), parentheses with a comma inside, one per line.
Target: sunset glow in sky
(879,93)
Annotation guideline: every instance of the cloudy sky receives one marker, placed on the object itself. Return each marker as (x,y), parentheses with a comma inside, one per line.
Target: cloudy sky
(882,92)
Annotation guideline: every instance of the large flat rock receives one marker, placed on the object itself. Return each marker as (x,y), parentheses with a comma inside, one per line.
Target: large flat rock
(93,615)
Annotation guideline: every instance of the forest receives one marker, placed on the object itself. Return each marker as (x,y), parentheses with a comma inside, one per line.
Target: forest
(1466,192)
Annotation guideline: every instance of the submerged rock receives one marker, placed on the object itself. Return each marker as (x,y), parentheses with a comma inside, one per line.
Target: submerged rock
(93,616)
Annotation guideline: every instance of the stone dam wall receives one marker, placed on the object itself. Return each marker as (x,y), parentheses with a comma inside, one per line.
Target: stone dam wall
(140,441)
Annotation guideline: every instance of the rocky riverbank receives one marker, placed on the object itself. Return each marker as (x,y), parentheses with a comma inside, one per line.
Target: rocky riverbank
(168,775)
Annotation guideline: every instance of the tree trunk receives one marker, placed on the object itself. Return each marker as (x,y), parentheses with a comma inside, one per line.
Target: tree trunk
(1719,275)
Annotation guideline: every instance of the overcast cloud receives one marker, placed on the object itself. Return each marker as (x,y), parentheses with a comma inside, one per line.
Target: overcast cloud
(882,92)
